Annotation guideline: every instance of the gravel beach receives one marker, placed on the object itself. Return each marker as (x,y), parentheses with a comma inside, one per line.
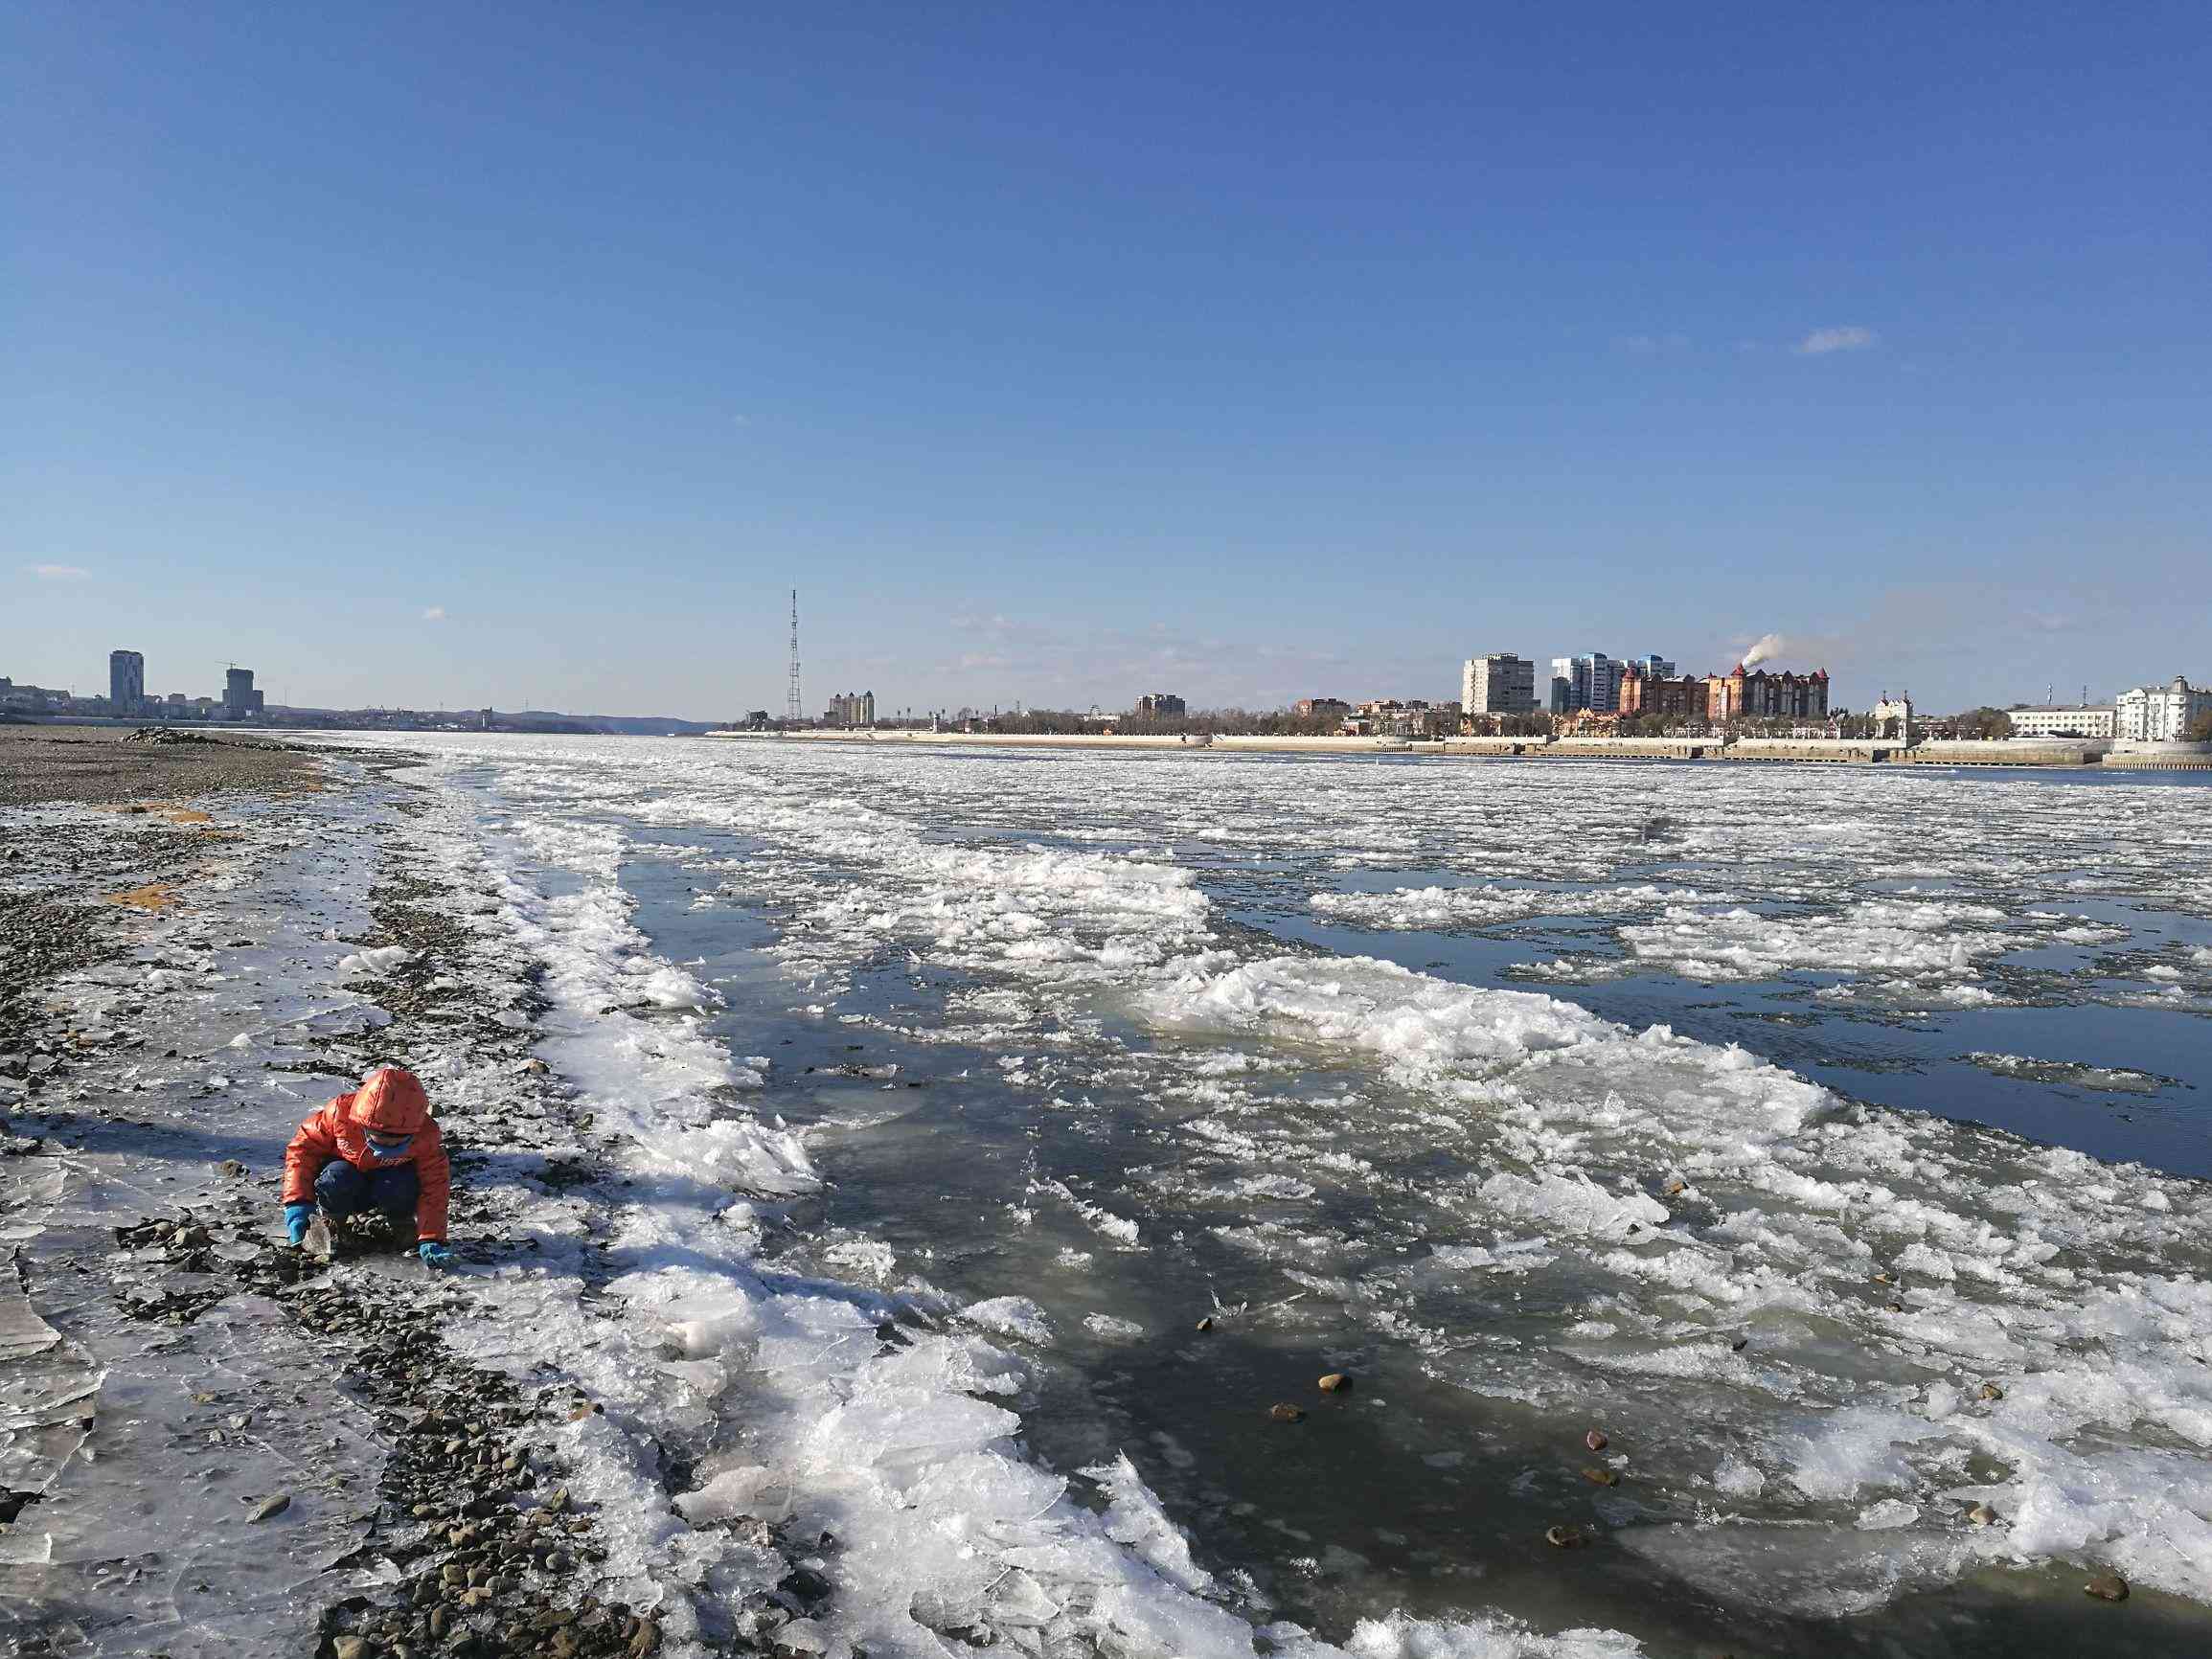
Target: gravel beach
(108,765)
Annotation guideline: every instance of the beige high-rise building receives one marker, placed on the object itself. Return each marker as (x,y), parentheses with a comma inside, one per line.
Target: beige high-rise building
(1498,683)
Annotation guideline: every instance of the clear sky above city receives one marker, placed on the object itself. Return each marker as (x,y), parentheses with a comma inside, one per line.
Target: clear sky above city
(527,355)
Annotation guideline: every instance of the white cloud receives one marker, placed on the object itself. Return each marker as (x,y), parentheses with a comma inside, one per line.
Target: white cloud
(436,613)
(58,572)
(1822,341)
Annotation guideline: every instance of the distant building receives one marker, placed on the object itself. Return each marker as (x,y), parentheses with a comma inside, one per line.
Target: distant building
(238,694)
(1160,706)
(1653,667)
(1717,699)
(1396,717)
(1662,694)
(852,709)
(1321,708)
(1591,683)
(125,682)
(2065,721)
(1764,696)
(30,699)
(1498,683)
(2161,714)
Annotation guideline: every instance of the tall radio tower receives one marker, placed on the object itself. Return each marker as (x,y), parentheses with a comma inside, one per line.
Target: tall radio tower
(791,702)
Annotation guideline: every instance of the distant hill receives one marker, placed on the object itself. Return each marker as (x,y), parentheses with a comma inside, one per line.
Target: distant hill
(617,725)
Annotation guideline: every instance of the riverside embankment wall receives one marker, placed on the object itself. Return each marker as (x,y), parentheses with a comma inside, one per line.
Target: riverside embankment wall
(2135,757)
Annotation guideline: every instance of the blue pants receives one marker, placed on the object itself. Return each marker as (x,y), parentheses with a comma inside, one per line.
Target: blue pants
(344,1191)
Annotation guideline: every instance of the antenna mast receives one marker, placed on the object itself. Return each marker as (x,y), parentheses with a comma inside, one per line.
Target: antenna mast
(791,702)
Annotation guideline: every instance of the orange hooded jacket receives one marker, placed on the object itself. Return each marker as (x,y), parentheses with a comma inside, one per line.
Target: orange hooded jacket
(390,1100)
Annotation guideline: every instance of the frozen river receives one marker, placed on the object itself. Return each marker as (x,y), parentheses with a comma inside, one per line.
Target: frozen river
(1828,1140)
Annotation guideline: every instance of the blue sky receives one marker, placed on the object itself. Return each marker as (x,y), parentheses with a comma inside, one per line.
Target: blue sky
(529,354)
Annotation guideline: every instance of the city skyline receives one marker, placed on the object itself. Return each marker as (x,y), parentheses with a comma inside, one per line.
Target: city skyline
(1265,363)
(1533,692)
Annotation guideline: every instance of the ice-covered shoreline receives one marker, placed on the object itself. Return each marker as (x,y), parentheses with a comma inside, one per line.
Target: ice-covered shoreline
(745,1406)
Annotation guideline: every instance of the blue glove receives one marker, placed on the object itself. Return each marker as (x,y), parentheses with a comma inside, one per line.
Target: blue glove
(296,1220)
(434,1254)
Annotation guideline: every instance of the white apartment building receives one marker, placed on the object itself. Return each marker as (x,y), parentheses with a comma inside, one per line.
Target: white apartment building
(2065,721)
(1498,683)
(2161,714)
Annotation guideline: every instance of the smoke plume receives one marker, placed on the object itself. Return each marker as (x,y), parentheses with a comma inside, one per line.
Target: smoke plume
(1763,648)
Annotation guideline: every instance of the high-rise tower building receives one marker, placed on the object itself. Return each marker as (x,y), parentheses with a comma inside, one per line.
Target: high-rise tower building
(1498,683)
(125,682)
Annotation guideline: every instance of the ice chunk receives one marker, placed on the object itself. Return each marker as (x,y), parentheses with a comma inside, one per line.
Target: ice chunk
(1015,1316)
(381,960)
(734,1492)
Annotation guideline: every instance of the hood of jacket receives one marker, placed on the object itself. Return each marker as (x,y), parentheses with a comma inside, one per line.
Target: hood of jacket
(389,1101)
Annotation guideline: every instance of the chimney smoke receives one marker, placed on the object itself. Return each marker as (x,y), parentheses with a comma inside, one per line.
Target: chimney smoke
(1764,649)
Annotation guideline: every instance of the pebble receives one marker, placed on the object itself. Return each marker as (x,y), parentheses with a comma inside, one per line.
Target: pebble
(1598,1477)
(1336,1382)
(1676,1187)
(1982,1515)
(271,1507)
(1991,1391)
(1206,1324)
(1563,1538)
(1596,1439)
(350,1647)
(2106,1587)
(1287,1414)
